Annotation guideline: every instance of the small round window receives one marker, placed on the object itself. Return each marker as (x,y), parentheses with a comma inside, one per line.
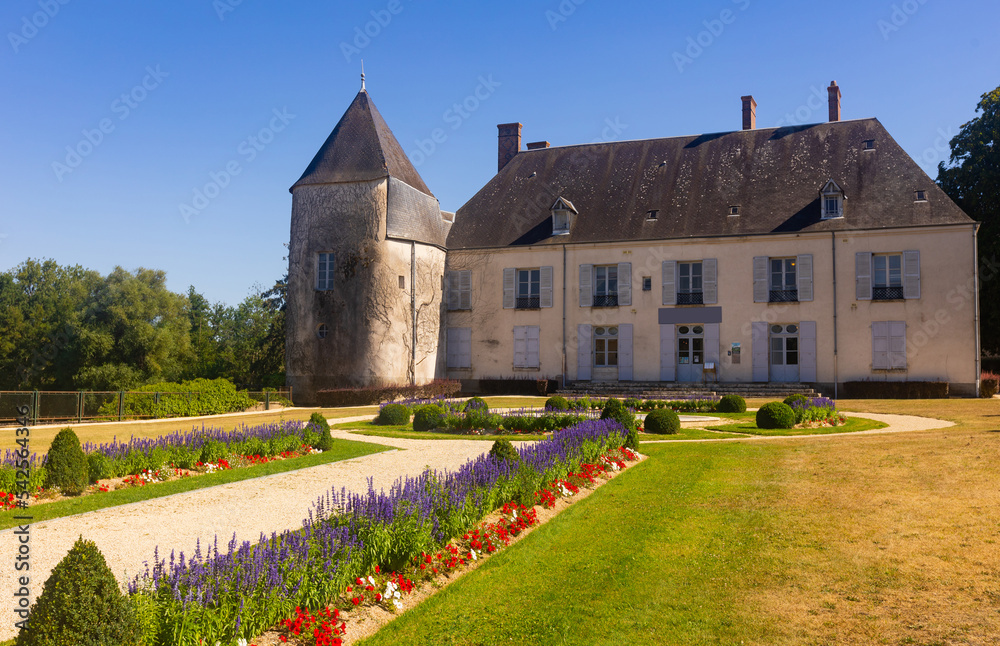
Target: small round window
(599,330)
(777,329)
(792,329)
(613,331)
(697,329)
(683,329)
(322,330)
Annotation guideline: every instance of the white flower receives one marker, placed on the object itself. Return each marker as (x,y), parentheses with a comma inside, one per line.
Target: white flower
(395,595)
(398,604)
(474,557)
(513,515)
(371,580)
(241,642)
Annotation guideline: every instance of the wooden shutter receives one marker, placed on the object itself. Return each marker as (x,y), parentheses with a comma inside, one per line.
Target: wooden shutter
(668,353)
(531,347)
(712,345)
(520,346)
(897,345)
(807,351)
(880,345)
(459,347)
(761,352)
(583,353)
(669,283)
(625,284)
(863,275)
(804,276)
(545,287)
(911,274)
(509,275)
(709,281)
(465,289)
(761,294)
(625,352)
(452,281)
(586,286)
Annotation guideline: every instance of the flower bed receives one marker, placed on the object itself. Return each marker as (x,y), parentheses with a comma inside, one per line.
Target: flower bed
(817,411)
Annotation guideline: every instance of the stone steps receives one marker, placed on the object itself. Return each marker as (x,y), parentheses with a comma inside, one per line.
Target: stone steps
(661,390)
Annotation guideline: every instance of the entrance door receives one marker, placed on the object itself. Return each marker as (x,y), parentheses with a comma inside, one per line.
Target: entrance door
(690,352)
(785,353)
(606,353)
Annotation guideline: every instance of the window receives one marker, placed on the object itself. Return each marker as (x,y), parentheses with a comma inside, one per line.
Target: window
(402,282)
(887,277)
(888,345)
(653,214)
(734,210)
(647,283)
(868,144)
(783,286)
(606,286)
(526,346)
(832,200)
(324,271)
(528,289)
(921,196)
(562,216)
(459,342)
(322,330)
(605,346)
(784,345)
(459,285)
(689,283)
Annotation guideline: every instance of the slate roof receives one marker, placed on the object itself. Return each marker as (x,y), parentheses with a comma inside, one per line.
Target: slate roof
(774,176)
(361,148)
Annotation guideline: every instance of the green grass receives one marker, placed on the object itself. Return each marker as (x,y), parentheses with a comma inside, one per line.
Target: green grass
(406,432)
(663,554)
(853,425)
(342,450)
(689,434)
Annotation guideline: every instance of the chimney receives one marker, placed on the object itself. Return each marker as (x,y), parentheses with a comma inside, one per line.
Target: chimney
(749,112)
(508,143)
(834,101)
(535,145)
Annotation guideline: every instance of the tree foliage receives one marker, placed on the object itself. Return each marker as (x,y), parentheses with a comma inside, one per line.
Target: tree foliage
(972,178)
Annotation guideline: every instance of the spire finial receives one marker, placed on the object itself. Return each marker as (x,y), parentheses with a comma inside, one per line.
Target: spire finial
(362,74)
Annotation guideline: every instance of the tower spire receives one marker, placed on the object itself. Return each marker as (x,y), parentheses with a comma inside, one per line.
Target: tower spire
(362,75)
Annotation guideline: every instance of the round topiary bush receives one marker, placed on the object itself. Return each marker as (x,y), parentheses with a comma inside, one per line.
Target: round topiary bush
(616,410)
(775,415)
(662,421)
(731,404)
(81,605)
(503,450)
(393,415)
(791,399)
(427,417)
(476,404)
(556,402)
(66,464)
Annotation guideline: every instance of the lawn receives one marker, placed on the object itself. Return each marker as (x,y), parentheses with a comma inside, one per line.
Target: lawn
(877,539)
(748,426)
(406,431)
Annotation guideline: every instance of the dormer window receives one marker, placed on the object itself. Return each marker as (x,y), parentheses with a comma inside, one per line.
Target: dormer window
(920,196)
(832,200)
(562,216)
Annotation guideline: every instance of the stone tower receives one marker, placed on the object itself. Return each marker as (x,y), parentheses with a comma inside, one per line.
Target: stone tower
(366,261)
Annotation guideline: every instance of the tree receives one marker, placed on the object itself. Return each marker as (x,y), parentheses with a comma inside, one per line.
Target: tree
(972,180)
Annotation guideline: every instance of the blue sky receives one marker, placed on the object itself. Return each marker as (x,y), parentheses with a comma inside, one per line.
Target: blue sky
(116,116)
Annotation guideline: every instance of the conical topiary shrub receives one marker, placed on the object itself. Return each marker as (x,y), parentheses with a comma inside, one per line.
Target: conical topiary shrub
(81,605)
(66,464)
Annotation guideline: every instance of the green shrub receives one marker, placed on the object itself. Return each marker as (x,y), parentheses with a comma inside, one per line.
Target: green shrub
(477,404)
(393,415)
(323,441)
(188,399)
(427,417)
(319,421)
(157,457)
(633,403)
(632,439)
(616,410)
(731,404)
(791,399)
(775,415)
(66,464)
(503,450)
(81,605)
(183,457)
(662,421)
(213,451)
(99,467)
(556,402)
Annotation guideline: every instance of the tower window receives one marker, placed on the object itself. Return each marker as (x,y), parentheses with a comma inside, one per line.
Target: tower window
(322,330)
(402,282)
(324,270)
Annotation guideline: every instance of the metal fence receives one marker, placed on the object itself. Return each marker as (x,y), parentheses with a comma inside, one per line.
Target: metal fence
(50,406)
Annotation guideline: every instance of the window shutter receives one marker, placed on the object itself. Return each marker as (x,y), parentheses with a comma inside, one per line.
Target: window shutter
(760,350)
(709,281)
(668,349)
(545,287)
(625,352)
(669,284)
(911,274)
(459,347)
(804,276)
(453,291)
(761,294)
(465,289)
(712,345)
(531,349)
(586,288)
(583,350)
(520,346)
(508,288)
(880,345)
(897,345)
(863,275)
(625,284)
(807,351)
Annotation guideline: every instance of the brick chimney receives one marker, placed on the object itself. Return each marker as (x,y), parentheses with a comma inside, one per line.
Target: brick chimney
(508,143)
(749,112)
(535,145)
(834,101)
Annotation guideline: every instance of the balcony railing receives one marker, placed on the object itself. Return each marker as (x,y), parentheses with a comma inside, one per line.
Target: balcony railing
(887,293)
(784,296)
(527,303)
(690,298)
(606,300)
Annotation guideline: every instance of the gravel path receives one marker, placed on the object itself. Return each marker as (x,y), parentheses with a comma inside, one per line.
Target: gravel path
(128,534)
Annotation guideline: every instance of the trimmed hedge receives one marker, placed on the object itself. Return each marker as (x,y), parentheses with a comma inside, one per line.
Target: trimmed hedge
(477,404)
(557,402)
(616,410)
(517,386)
(335,397)
(791,399)
(322,428)
(185,399)
(427,417)
(393,415)
(662,421)
(731,404)
(894,390)
(775,415)
(503,450)
(66,464)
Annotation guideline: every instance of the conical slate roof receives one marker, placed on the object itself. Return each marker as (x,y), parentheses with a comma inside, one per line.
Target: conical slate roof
(361,148)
